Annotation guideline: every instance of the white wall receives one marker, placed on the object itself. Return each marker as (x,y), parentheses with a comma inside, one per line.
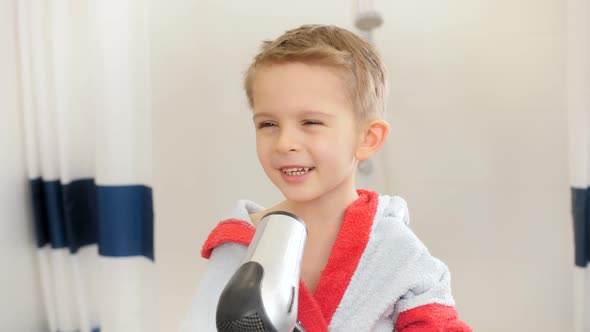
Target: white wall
(478,145)
(21,306)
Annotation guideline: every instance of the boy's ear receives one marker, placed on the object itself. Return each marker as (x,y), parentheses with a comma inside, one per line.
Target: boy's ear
(372,140)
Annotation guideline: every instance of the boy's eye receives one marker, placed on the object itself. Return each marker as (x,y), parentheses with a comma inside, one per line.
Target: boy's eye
(311,122)
(265,124)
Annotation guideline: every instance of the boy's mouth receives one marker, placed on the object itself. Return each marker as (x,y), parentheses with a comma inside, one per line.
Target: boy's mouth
(296,171)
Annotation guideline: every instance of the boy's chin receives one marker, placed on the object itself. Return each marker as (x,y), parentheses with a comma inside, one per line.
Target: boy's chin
(298,195)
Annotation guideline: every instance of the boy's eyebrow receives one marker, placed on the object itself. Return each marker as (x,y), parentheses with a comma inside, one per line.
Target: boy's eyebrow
(305,113)
(317,113)
(260,114)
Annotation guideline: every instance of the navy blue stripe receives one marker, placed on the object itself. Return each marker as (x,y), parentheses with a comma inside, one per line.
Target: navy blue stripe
(126,221)
(580,212)
(118,218)
(79,203)
(65,215)
(39,212)
(55,215)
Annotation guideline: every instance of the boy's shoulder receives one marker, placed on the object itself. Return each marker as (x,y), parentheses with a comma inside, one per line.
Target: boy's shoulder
(391,225)
(393,207)
(243,210)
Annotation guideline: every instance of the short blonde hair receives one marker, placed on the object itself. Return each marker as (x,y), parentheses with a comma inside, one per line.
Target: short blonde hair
(336,47)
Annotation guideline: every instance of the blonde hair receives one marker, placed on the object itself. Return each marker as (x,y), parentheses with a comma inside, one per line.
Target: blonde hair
(332,46)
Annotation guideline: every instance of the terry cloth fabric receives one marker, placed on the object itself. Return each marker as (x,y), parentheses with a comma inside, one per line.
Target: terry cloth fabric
(379,276)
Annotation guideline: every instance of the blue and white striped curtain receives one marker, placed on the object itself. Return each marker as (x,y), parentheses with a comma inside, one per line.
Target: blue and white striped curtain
(578,104)
(86,106)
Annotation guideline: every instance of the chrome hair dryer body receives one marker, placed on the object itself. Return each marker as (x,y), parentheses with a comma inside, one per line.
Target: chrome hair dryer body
(262,295)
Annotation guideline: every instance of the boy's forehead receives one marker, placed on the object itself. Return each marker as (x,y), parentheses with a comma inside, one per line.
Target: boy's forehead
(299,86)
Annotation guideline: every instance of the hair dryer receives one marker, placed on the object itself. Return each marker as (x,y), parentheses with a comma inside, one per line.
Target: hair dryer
(262,294)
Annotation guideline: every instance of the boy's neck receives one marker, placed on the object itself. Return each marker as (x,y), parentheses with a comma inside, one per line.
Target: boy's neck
(327,210)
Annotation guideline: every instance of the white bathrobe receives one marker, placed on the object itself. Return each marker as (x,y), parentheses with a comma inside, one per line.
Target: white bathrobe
(379,276)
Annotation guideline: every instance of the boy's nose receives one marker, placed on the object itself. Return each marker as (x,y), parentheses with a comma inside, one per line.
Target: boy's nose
(287,142)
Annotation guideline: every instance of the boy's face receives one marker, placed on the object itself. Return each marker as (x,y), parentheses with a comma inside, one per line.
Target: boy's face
(306,132)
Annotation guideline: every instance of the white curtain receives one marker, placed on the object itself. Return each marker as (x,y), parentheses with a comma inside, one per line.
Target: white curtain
(578,104)
(87,118)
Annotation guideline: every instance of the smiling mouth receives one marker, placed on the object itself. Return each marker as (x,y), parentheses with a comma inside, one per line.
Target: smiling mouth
(295,171)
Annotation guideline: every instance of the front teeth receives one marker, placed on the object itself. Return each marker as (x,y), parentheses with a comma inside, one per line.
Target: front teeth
(296,171)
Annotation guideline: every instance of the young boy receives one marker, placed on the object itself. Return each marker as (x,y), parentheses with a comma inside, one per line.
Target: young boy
(318,97)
